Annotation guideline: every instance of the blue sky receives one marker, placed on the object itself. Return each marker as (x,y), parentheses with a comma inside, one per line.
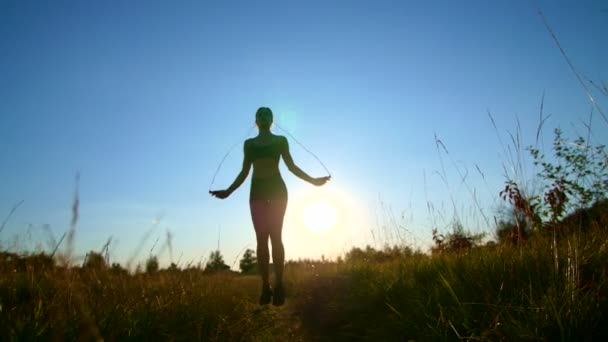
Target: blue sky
(144,98)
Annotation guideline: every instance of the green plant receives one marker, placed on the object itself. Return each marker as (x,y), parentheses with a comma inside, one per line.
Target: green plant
(576,177)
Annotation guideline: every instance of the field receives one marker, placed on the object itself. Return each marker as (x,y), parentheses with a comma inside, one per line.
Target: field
(485,293)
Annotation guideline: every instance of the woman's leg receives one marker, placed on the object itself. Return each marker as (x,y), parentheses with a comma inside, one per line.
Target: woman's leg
(267,217)
(276,229)
(278,255)
(259,214)
(263,256)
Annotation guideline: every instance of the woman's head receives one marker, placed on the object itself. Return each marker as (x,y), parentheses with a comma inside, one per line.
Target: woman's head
(263,118)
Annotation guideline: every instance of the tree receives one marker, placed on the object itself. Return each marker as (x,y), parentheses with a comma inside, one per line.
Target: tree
(152,264)
(458,240)
(118,269)
(94,260)
(249,262)
(513,227)
(216,262)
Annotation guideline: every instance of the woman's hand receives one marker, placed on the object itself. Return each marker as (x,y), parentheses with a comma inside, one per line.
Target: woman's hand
(221,194)
(321,180)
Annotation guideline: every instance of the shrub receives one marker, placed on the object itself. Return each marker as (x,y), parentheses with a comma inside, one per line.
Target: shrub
(576,178)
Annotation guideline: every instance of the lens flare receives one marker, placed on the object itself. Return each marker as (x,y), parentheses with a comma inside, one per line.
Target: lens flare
(287,120)
(319,216)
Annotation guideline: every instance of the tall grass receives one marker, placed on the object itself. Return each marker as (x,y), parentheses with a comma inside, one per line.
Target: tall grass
(42,303)
(489,293)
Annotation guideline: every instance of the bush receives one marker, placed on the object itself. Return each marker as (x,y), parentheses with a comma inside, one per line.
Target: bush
(576,178)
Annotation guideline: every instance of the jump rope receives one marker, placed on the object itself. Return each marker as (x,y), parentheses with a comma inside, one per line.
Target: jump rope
(247,134)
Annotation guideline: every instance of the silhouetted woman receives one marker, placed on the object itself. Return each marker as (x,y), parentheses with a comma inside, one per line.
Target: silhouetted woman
(268,198)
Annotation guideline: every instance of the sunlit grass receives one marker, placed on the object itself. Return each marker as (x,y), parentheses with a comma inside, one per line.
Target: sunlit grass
(488,293)
(104,303)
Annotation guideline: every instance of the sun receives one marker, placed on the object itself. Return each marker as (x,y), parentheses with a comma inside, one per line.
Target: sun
(319,216)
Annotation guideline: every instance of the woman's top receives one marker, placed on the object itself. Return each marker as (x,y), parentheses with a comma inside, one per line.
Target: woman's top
(269,187)
(272,151)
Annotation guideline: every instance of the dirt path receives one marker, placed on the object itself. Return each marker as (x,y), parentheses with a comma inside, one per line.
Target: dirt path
(312,313)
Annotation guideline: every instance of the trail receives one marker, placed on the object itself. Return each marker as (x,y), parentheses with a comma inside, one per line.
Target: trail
(311,312)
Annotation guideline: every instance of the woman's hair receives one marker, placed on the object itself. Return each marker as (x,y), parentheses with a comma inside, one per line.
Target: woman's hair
(263,111)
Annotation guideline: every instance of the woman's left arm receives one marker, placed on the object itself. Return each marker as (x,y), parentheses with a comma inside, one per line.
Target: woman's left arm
(291,166)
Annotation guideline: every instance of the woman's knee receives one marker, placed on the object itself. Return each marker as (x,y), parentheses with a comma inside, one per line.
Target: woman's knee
(276,234)
(277,244)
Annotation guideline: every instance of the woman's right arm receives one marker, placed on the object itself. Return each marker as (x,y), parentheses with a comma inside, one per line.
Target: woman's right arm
(244,170)
(241,176)
(291,166)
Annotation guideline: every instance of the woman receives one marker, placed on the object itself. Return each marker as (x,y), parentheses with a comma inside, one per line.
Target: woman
(268,198)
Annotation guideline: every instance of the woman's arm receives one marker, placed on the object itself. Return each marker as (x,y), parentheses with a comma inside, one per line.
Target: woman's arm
(240,178)
(291,166)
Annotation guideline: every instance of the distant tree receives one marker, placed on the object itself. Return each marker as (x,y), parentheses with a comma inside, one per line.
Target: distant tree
(216,263)
(249,262)
(40,261)
(388,253)
(513,231)
(173,267)
(456,241)
(595,216)
(117,268)
(94,260)
(490,244)
(355,254)
(152,264)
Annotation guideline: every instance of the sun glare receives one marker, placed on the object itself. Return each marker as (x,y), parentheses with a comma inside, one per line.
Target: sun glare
(319,216)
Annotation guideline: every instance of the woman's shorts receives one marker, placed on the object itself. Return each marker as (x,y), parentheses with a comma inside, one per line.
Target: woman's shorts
(271,188)
(267,215)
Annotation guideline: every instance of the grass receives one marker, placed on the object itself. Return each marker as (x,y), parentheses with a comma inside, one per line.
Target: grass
(488,293)
(500,294)
(185,305)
